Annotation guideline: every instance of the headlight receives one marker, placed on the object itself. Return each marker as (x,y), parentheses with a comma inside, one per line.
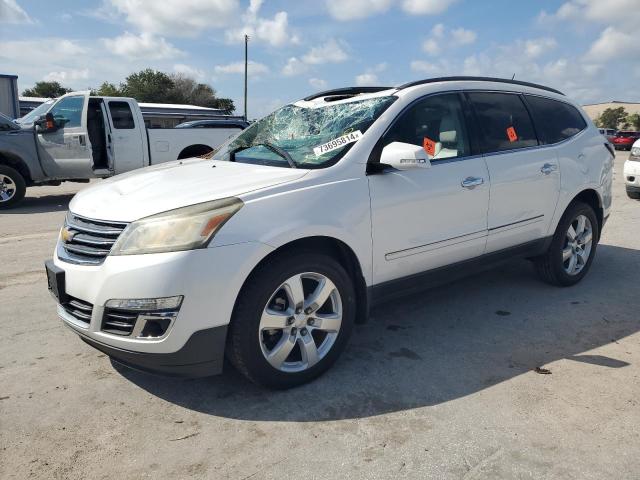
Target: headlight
(185,228)
(635,152)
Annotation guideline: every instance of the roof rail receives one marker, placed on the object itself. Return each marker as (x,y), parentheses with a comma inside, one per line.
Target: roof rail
(346,91)
(478,79)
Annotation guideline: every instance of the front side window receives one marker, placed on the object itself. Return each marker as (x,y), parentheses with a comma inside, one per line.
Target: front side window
(555,121)
(504,121)
(68,111)
(305,136)
(121,115)
(435,123)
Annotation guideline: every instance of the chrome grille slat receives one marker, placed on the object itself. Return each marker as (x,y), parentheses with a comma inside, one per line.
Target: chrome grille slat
(79,309)
(88,241)
(119,322)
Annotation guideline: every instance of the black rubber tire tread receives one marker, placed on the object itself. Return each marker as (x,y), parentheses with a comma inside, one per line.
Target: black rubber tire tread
(243,349)
(633,195)
(21,186)
(549,265)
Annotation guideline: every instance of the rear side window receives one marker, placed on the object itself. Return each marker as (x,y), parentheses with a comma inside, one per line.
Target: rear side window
(121,115)
(555,121)
(504,121)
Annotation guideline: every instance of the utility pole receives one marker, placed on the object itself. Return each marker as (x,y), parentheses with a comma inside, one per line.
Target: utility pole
(246,67)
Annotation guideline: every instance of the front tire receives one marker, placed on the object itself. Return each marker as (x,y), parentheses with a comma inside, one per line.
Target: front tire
(12,187)
(292,319)
(633,194)
(572,248)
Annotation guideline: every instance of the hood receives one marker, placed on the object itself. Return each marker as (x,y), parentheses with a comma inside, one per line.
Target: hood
(164,187)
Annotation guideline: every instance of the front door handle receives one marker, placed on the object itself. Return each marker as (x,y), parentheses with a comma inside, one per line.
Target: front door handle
(472,182)
(547,168)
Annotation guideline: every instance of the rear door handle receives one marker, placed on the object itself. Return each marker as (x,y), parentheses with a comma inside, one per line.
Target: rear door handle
(472,182)
(547,168)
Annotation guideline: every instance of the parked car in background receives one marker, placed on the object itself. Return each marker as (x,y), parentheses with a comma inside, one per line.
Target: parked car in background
(272,250)
(214,123)
(609,133)
(632,172)
(78,137)
(624,139)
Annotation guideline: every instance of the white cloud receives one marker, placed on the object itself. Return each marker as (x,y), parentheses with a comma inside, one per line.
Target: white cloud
(67,76)
(274,32)
(189,71)
(11,12)
(356,9)
(144,45)
(462,36)
(426,7)
(294,66)
(176,17)
(536,47)
(431,46)
(329,52)
(623,11)
(254,68)
(367,80)
(615,43)
(318,83)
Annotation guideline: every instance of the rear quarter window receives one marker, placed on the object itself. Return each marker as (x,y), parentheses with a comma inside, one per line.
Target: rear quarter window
(121,115)
(555,121)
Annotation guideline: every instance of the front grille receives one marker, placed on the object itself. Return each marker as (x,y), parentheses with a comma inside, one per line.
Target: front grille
(79,309)
(119,322)
(87,241)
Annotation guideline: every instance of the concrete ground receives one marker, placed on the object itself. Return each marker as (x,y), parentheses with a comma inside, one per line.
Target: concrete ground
(438,385)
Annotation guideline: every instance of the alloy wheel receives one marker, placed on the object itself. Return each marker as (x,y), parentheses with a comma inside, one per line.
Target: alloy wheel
(8,188)
(577,245)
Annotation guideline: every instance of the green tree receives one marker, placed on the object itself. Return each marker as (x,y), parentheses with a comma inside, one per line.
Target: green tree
(634,121)
(46,90)
(611,117)
(148,86)
(186,90)
(107,90)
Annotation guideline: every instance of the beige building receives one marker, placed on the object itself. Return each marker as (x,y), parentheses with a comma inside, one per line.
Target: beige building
(595,109)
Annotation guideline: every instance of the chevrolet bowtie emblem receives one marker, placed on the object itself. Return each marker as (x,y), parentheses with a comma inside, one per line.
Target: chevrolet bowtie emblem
(66,235)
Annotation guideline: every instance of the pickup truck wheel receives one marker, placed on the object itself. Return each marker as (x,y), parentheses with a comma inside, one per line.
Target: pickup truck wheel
(572,248)
(12,187)
(292,320)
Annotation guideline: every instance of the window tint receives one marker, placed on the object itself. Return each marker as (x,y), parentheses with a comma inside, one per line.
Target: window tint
(68,111)
(121,115)
(504,121)
(555,121)
(436,124)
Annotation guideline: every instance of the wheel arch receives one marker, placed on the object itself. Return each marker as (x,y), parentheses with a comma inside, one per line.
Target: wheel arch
(14,161)
(592,198)
(338,250)
(194,151)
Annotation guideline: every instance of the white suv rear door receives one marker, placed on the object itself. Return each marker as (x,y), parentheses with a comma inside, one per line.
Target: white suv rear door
(427,218)
(525,178)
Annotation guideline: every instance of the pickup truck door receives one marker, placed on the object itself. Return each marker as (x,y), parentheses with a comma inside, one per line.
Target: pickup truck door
(66,152)
(126,133)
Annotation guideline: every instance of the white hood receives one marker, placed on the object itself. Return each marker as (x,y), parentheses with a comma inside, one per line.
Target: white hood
(173,185)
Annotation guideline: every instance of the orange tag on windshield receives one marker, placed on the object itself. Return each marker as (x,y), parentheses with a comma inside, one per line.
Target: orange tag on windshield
(429,146)
(511,133)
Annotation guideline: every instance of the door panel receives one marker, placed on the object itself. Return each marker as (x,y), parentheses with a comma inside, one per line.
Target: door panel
(126,137)
(66,153)
(424,219)
(427,218)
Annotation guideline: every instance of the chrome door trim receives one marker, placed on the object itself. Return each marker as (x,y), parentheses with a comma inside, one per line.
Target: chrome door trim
(436,245)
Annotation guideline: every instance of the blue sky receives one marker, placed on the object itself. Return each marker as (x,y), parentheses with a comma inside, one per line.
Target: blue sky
(588,48)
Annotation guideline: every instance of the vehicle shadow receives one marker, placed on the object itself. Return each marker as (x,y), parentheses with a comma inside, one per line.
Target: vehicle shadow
(43,204)
(441,345)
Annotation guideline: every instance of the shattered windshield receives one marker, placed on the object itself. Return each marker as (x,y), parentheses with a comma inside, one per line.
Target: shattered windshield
(305,137)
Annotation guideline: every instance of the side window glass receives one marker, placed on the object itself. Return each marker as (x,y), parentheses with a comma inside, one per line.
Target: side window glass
(68,111)
(121,115)
(504,121)
(555,121)
(436,124)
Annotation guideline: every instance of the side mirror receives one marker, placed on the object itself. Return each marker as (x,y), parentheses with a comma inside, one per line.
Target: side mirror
(46,124)
(404,156)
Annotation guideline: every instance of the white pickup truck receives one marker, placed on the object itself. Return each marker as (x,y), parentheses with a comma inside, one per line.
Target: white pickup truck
(78,137)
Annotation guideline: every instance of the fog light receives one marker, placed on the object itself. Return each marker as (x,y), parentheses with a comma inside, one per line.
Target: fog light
(147,304)
(154,328)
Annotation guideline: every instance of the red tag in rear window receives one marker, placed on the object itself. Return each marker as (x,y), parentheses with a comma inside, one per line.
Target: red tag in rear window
(511,134)
(429,146)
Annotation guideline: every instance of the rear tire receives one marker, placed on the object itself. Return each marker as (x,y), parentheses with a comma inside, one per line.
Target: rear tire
(272,339)
(568,259)
(633,194)
(12,187)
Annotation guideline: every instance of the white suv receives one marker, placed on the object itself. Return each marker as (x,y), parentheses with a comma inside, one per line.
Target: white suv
(272,250)
(631,172)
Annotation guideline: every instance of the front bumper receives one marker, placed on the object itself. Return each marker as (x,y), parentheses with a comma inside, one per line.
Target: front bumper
(209,279)
(631,172)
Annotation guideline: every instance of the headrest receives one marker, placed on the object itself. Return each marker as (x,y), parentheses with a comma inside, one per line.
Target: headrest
(448,131)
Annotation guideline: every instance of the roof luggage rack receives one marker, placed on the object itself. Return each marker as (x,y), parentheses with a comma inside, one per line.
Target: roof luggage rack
(478,79)
(345,92)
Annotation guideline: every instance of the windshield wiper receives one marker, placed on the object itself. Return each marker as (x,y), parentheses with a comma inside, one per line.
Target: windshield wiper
(275,149)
